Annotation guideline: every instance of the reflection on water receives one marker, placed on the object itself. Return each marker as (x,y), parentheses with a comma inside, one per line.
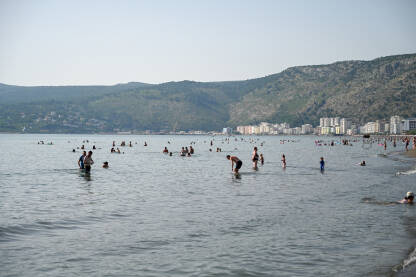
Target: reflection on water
(152,214)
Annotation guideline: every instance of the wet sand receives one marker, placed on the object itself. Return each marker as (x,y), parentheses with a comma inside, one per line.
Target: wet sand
(411,153)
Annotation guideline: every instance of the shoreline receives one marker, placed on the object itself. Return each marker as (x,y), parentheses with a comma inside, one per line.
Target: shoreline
(410,154)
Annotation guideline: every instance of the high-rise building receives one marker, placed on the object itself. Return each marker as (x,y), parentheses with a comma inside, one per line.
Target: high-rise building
(324,122)
(265,127)
(345,124)
(409,124)
(395,125)
(306,129)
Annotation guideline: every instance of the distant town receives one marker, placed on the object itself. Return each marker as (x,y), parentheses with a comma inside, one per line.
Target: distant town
(330,126)
(397,125)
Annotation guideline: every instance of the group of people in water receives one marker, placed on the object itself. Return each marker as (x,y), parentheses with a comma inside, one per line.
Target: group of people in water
(85,161)
(255,158)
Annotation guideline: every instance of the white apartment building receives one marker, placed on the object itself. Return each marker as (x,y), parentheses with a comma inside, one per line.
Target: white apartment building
(345,124)
(265,128)
(409,124)
(227,131)
(395,125)
(324,122)
(306,129)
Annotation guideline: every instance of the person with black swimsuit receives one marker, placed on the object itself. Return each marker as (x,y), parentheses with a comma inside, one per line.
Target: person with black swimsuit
(255,158)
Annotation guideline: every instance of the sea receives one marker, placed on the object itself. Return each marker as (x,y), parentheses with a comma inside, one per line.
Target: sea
(152,214)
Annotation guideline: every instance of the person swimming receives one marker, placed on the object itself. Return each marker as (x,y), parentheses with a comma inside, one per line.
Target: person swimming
(105,165)
(362,163)
(237,161)
(408,199)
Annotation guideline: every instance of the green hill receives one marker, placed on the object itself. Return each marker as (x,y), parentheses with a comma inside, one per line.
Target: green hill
(362,90)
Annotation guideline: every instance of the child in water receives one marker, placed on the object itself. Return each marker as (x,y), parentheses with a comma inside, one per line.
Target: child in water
(322,163)
(105,165)
(261,159)
(283,161)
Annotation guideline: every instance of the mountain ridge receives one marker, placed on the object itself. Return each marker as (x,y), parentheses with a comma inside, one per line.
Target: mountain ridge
(361,90)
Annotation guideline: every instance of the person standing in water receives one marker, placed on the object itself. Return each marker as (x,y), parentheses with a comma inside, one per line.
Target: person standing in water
(88,161)
(261,159)
(322,163)
(255,158)
(81,160)
(283,161)
(237,161)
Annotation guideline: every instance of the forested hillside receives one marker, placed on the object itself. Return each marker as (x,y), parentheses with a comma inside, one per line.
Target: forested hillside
(362,90)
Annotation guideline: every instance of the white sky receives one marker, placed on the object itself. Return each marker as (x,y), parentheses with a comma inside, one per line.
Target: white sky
(109,42)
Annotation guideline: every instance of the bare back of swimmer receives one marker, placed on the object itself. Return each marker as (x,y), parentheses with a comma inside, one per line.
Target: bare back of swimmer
(237,161)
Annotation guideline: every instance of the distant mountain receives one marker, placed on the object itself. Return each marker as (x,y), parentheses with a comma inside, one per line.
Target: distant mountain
(19,94)
(361,90)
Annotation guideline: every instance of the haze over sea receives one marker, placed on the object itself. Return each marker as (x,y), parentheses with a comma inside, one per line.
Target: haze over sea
(154,215)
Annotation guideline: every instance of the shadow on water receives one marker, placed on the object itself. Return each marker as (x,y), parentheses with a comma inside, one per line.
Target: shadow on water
(85,175)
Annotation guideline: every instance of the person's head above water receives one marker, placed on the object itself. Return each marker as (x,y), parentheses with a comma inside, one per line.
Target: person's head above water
(228,157)
(410,196)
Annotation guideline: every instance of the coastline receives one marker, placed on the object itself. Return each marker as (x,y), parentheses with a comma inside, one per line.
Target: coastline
(410,154)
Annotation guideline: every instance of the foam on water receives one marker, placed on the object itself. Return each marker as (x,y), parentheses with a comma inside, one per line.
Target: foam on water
(406,267)
(407,172)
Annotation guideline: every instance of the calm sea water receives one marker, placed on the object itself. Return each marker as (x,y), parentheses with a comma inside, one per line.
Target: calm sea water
(154,215)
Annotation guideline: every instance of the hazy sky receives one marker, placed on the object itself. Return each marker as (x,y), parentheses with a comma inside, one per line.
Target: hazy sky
(109,42)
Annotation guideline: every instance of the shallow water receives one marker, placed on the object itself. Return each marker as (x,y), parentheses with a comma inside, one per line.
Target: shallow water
(154,215)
